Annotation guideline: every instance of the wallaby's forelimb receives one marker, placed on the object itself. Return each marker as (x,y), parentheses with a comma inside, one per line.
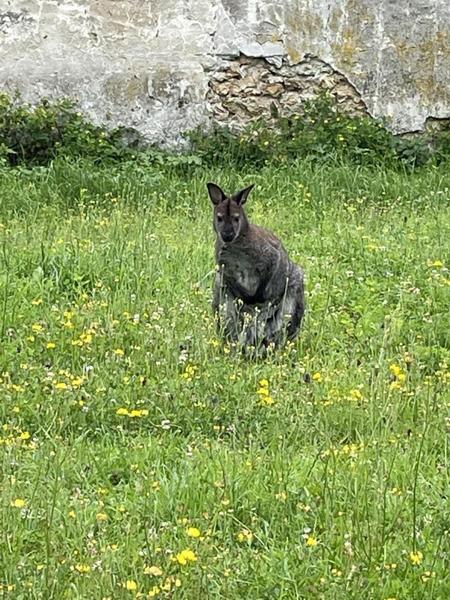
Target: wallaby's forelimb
(225,309)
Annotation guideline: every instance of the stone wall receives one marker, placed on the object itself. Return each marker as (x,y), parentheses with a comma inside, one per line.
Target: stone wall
(241,88)
(164,66)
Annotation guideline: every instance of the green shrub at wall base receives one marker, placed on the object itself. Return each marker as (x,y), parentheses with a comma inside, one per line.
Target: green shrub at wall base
(36,135)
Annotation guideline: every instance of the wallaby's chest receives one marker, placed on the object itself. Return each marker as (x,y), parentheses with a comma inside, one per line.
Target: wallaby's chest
(243,275)
(248,280)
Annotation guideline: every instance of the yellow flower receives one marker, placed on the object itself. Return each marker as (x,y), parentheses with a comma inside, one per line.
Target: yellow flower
(154,591)
(119,352)
(25,435)
(416,557)
(86,337)
(264,394)
(37,327)
(131,585)
(396,385)
(193,532)
(311,541)
(101,516)
(395,369)
(189,372)
(400,376)
(317,376)
(51,345)
(122,412)
(72,514)
(356,394)
(82,568)
(245,536)
(186,556)
(18,503)
(138,413)
(267,400)
(436,263)
(155,571)
(61,385)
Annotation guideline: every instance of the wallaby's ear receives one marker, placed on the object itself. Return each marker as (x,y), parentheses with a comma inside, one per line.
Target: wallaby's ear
(241,197)
(215,193)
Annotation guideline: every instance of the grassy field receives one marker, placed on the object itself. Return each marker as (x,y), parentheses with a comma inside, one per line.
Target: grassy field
(142,458)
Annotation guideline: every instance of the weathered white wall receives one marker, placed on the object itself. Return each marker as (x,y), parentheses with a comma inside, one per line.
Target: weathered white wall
(164,66)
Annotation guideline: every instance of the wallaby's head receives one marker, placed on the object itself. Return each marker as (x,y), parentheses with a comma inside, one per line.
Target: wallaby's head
(229,217)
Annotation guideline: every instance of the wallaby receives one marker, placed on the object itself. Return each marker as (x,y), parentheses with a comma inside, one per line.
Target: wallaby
(258,291)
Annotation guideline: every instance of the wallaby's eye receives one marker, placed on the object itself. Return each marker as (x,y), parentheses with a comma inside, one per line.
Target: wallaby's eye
(219,218)
(235,219)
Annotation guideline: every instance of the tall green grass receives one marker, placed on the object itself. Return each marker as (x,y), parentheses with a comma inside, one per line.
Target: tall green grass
(131,434)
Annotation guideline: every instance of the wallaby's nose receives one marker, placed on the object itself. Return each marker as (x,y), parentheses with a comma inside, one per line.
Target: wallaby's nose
(227,237)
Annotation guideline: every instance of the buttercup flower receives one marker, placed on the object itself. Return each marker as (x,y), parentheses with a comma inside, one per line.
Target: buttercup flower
(82,568)
(245,536)
(264,393)
(131,585)
(18,503)
(311,541)
(60,385)
(193,532)
(186,556)
(416,557)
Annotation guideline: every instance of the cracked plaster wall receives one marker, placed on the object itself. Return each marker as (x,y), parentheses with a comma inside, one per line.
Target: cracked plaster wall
(164,66)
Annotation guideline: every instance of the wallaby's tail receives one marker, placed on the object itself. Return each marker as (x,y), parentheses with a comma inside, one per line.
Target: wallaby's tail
(297,290)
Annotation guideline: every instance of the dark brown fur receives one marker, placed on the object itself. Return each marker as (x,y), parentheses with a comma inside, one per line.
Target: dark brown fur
(259,291)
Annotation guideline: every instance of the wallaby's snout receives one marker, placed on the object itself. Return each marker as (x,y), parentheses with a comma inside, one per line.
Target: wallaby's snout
(227,236)
(228,220)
